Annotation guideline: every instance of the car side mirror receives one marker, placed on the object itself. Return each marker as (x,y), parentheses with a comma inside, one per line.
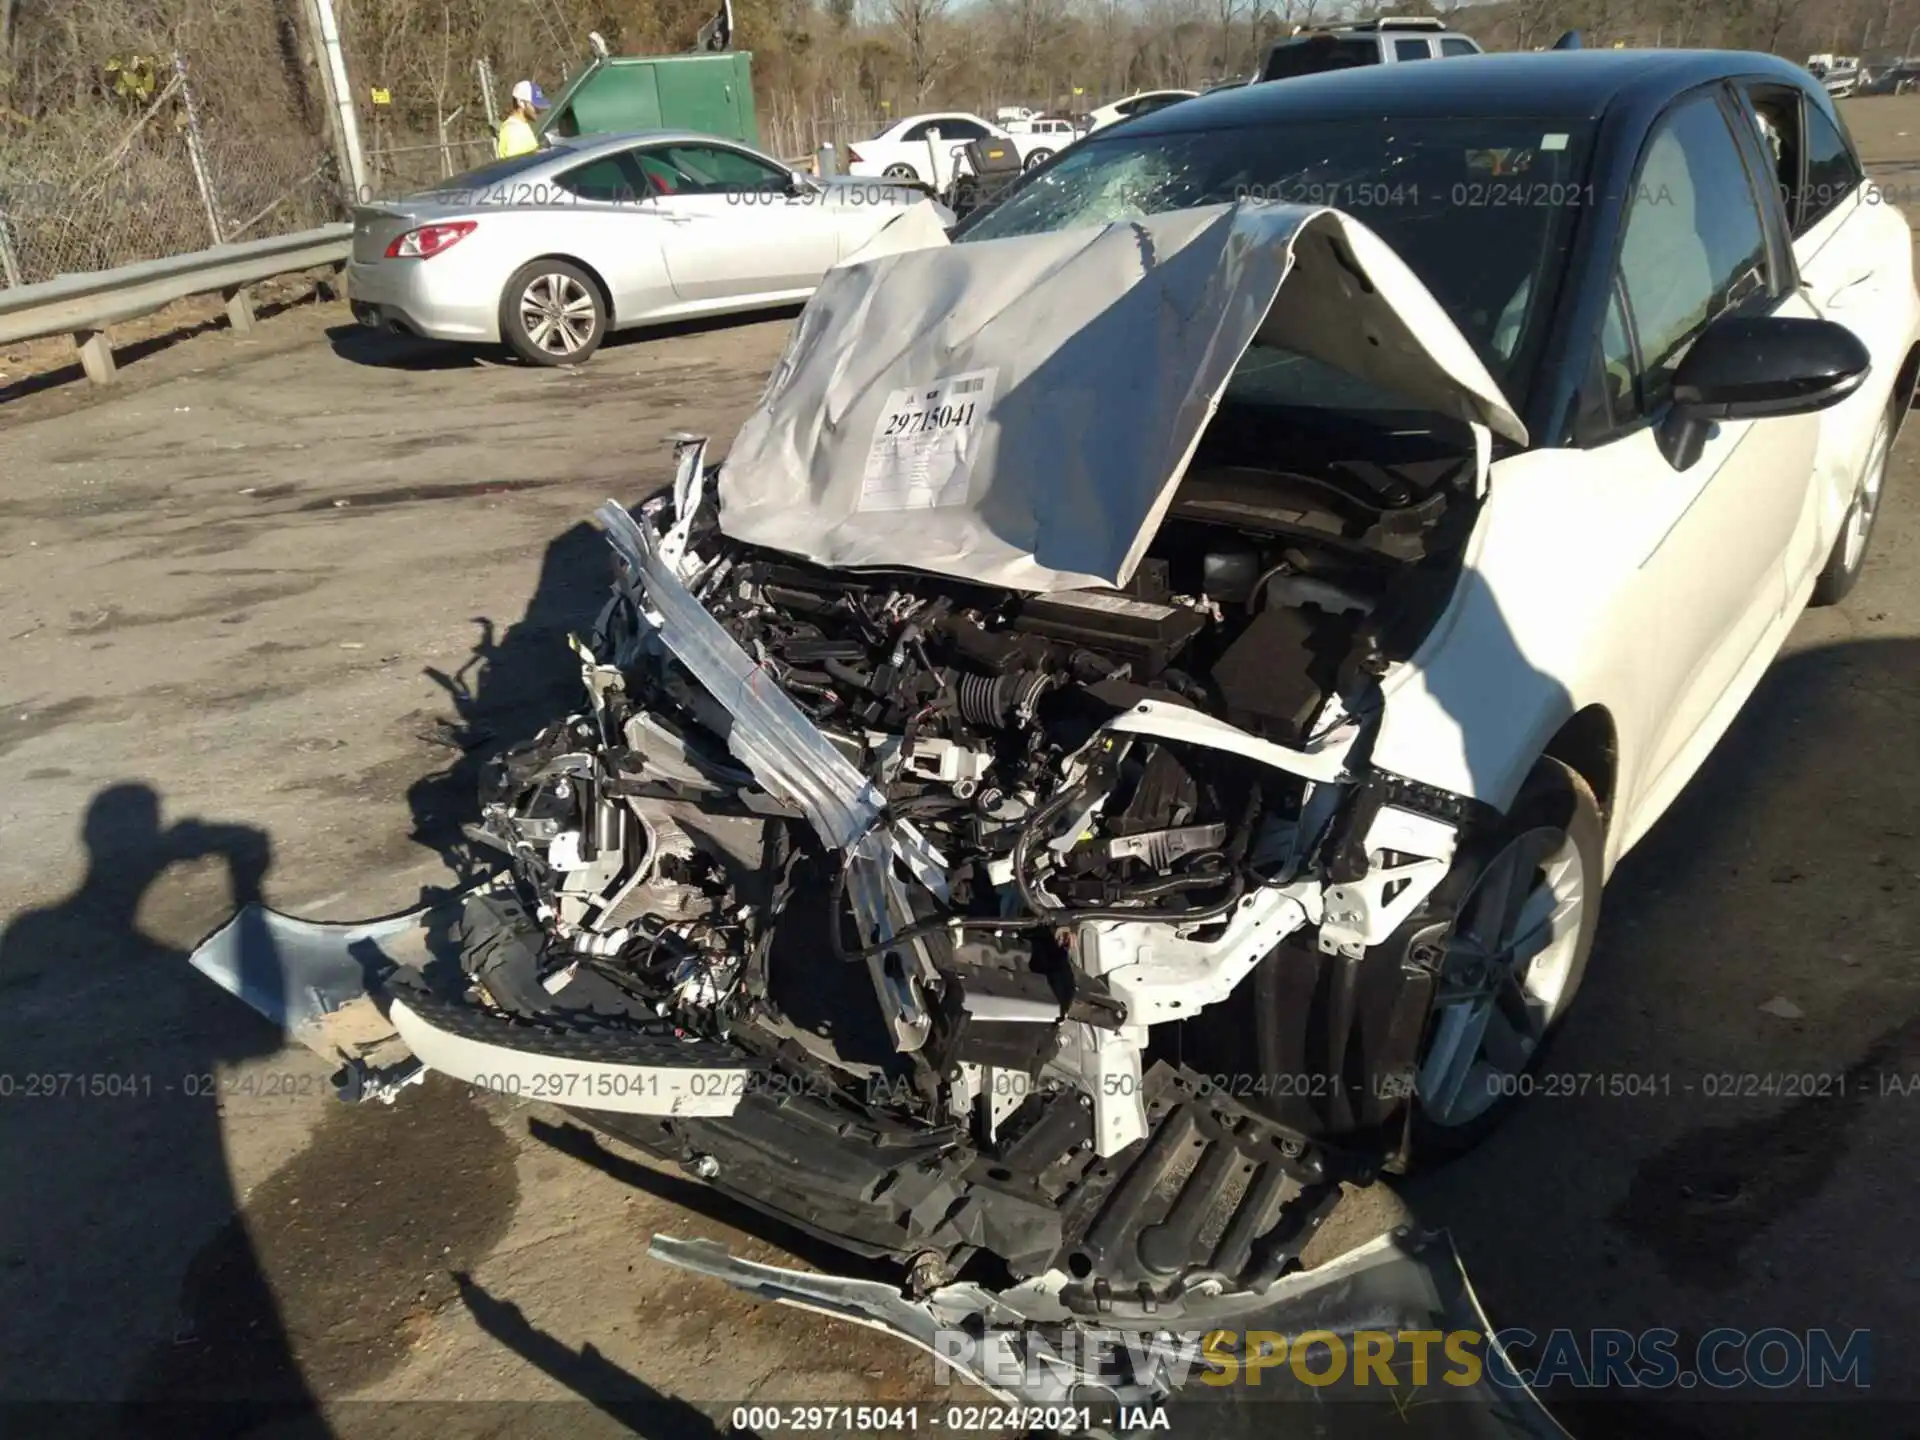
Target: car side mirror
(1758,367)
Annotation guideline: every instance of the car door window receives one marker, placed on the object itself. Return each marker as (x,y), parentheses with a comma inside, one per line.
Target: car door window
(1776,112)
(963,130)
(611,178)
(1616,360)
(1694,244)
(1833,171)
(919,132)
(710,170)
(1411,50)
(1453,45)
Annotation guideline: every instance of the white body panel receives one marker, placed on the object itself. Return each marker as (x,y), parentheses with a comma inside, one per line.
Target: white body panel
(1120,110)
(1604,577)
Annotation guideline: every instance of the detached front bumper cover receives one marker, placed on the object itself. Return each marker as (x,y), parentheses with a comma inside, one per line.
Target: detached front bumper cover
(1023,1349)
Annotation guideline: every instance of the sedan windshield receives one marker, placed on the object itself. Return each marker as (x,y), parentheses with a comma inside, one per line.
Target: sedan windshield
(1482,210)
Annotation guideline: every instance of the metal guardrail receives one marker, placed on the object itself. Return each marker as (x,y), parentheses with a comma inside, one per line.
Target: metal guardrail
(84,305)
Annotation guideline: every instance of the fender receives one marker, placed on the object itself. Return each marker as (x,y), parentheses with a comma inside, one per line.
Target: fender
(1501,670)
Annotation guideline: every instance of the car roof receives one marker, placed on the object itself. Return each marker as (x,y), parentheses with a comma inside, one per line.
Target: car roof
(939,115)
(1367,30)
(1562,83)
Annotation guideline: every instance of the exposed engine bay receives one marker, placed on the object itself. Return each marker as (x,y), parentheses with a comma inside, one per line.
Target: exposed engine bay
(956,869)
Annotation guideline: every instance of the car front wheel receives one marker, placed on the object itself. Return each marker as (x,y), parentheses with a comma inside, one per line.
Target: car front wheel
(552,313)
(1849,554)
(1526,901)
(1038,158)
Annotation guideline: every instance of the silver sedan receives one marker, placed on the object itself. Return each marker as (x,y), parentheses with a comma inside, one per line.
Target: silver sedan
(547,252)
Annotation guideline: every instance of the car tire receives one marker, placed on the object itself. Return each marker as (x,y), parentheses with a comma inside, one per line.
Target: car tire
(1038,158)
(1471,1072)
(900,171)
(1849,554)
(552,313)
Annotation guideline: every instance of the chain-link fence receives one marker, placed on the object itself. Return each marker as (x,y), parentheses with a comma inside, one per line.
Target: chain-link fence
(152,156)
(395,169)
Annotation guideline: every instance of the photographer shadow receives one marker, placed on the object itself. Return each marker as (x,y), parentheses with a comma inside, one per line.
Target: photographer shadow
(117,1175)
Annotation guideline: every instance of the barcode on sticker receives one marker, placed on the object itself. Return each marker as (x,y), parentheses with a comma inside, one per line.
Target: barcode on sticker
(971,386)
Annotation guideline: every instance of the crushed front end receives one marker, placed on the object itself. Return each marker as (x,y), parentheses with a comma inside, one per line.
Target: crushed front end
(905,910)
(1040,927)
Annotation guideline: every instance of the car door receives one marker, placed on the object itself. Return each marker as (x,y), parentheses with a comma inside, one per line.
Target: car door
(737,228)
(910,148)
(925,146)
(610,225)
(1705,593)
(1854,257)
(951,135)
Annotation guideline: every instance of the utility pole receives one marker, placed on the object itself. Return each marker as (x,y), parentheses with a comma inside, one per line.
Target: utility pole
(343,119)
(197,152)
(485,70)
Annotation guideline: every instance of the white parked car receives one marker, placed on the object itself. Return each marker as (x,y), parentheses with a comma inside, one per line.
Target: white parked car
(1144,102)
(548,252)
(1049,136)
(929,148)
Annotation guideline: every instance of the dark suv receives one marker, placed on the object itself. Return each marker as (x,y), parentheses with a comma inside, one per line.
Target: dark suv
(1388,41)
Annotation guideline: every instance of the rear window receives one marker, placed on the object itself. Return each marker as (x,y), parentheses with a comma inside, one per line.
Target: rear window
(1147,104)
(494,172)
(1315,53)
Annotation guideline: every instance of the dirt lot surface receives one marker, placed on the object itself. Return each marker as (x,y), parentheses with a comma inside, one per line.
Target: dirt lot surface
(248,600)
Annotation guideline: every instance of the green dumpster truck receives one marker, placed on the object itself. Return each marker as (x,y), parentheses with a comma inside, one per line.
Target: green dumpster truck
(711,93)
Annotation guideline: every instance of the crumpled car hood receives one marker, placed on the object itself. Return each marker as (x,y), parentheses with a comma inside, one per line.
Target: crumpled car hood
(1019,412)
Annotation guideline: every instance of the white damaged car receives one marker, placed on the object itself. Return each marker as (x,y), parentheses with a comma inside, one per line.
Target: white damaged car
(1135,731)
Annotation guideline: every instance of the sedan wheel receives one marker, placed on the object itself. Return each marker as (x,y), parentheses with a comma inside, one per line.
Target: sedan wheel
(901,172)
(552,314)
(1849,554)
(1038,158)
(1505,972)
(1524,924)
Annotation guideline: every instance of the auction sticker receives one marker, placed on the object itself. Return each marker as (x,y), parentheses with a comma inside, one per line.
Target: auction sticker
(925,442)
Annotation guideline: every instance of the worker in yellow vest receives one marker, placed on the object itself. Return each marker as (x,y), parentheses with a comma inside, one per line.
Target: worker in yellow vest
(517,135)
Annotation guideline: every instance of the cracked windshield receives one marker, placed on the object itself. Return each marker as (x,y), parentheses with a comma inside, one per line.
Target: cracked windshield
(1483,211)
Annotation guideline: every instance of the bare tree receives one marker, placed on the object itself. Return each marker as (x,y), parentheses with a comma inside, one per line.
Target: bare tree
(918,27)
(1226,12)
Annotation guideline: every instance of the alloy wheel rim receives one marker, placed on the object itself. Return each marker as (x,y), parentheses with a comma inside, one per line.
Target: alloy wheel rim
(1507,965)
(1866,501)
(557,314)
